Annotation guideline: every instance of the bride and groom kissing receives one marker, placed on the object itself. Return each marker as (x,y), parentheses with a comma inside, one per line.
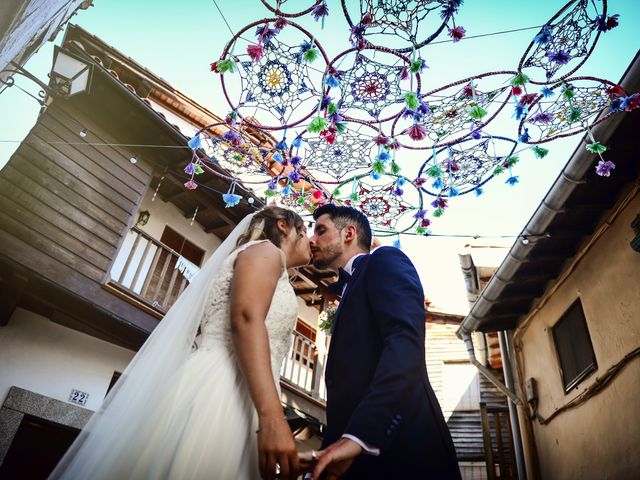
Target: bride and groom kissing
(200,400)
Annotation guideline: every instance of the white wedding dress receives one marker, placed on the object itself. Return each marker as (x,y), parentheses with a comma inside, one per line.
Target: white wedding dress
(205,426)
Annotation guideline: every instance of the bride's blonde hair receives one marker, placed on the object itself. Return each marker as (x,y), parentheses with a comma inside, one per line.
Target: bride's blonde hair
(264,225)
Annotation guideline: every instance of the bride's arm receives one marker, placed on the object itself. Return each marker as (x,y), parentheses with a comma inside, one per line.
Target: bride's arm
(256,273)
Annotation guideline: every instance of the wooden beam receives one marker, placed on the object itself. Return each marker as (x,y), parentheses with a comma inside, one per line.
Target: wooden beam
(10,296)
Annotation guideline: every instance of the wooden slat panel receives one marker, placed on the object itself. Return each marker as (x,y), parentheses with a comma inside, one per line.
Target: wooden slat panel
(89,178)
(58,210)
(71,152)
(31,158)
(104,158)
(97,134)
(43,180)
(47,247)
(55,234)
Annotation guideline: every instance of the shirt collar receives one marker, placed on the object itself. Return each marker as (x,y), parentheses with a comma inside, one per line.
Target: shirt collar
(349,266)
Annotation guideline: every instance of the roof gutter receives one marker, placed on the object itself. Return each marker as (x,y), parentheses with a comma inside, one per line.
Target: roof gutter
(553,203)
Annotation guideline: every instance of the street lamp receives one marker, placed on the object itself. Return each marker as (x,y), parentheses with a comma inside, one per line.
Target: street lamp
(70,74)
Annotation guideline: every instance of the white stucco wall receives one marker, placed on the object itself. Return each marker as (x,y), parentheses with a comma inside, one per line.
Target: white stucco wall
(46,358)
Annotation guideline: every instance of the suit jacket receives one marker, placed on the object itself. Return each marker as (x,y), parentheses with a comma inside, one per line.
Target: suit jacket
(376,377)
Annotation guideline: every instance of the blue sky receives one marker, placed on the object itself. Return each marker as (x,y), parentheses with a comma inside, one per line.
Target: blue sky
(178,40)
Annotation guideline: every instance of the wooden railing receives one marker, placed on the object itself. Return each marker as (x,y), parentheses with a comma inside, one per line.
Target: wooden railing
(498,443)
(146,270)
(304,368)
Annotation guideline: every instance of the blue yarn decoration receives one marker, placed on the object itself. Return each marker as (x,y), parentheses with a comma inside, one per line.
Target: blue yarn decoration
(544,37)
(297,142)
(195,143)
(277,157)
(525,137)
(478,191)
(375,175)
(396,243)
(512,180)
(331,81)
(438,184)
(547,92)
(231,200)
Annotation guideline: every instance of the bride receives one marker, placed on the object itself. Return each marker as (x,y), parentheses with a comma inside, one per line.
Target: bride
(208,407)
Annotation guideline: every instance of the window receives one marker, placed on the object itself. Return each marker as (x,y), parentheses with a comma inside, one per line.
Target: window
(573,344)
(182,246)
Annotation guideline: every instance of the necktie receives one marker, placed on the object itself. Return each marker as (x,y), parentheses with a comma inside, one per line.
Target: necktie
(343,279)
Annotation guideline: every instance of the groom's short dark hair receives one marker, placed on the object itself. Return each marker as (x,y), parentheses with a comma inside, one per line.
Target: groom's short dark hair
(342,216)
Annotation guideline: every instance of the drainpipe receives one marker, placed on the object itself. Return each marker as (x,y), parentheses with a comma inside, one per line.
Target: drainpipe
(487,372)
(506,347)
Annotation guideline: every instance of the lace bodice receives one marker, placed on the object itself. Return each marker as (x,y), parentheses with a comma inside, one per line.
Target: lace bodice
(280,320)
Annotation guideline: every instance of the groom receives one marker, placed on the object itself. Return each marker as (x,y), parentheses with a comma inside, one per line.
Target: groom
(384,421)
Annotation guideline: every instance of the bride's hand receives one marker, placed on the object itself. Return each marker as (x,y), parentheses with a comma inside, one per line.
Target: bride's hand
(276,450)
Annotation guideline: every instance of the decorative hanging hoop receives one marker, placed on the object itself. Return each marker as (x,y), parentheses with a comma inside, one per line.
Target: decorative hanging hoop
(581,126)
(375,79)
(522,65)
(348,154)
(215,133)
(375,201)
(465,164)
(228,48)
(280,13)
(465,126)
(414,44)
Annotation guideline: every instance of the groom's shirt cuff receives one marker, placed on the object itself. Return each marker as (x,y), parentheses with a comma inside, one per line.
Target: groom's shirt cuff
(368,449)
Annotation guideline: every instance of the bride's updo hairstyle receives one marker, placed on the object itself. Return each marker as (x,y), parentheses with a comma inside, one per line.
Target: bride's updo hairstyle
(264,225)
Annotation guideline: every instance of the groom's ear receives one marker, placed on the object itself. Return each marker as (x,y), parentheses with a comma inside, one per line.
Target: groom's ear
(350,233)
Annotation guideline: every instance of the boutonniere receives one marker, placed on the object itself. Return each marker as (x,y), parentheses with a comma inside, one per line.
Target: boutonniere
(326,319)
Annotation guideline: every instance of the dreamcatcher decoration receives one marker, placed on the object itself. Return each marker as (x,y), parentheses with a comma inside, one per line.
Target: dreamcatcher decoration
(280,4)
(567,39)
(448,114)
(465,167)
(368,90)
(389,201)
(402,25)
(271,84)
(352,153)
(235,149)
(568,108)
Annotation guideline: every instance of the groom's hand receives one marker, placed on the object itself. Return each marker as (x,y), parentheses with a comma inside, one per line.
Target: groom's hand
(336,459)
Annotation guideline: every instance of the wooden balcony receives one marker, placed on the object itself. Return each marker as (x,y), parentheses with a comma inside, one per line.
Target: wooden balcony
(149,272)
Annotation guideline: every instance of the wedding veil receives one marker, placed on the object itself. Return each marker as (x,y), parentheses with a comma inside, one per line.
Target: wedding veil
(103,441)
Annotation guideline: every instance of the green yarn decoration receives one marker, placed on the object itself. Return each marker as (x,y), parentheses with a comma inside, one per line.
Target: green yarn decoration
(421,231)
(336,193)
(318,124)
(269,193)
(354,197)
(341,127)
(301,200)
(568,93)
(596,147)
(416,66)
(574,114)
(378,167)
(438,212)
(477,112)
(331,109)
(395,168)
(435,171)
(411,99)
(512,160)
(539,152)
(198,169)
(498,170)
(225,66)
(310,55)
(519,80)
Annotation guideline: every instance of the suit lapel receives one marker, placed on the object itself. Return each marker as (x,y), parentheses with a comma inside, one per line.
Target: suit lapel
(354,278)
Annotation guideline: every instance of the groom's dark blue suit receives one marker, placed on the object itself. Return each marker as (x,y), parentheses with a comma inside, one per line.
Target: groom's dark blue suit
(377,384)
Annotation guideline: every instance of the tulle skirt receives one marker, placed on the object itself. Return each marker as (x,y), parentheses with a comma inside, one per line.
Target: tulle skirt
(204,429)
